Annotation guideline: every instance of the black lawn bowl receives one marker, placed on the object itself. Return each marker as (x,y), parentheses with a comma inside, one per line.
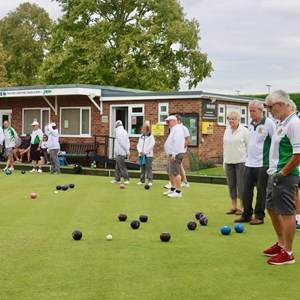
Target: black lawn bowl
(147,187)
(58,187)
(122,217)
(143,218)
(77,235)
(64,187)
(165,236)
(191,225)
(135,224)
(71,185)
(23,172)
(198,215)
(203,221)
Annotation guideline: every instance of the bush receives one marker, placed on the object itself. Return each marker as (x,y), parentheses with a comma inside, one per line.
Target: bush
(207,164)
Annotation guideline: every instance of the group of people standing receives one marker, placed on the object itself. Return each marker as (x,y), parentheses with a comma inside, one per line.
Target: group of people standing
(175,148)
(9,137)
(266,156)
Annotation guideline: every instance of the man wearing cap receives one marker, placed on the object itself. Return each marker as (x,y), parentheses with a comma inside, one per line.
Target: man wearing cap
(35,147)
(53,147)
(174,148)
(121,149)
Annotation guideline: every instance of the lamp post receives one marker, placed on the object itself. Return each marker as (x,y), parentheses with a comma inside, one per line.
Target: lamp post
(269,88)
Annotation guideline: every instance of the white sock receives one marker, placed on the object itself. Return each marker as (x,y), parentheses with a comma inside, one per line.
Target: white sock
(289,252)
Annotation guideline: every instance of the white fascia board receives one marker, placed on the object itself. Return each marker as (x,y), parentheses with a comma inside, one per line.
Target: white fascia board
(49,92)
(173,97)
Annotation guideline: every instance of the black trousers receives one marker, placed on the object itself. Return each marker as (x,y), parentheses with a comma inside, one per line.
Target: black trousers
(255,177)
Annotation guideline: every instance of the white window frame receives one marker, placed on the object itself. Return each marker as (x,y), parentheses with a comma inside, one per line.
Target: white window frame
(131,114)
(81,108)
(243,110)
(222,114)
(41,109)
(160,113)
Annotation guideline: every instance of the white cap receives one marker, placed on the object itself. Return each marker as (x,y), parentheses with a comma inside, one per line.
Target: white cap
(35,123)
(53,124)
(119,122)
(171,118)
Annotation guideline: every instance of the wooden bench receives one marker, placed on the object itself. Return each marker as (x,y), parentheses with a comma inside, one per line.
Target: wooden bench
(77,151)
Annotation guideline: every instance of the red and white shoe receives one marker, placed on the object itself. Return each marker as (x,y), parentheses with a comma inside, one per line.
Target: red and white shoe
(273,250)
(282,258)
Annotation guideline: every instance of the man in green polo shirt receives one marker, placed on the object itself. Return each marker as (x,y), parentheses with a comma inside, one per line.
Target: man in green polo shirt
(283,177)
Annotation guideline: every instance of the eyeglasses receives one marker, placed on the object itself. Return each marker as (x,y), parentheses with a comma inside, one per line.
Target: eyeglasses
(270,106)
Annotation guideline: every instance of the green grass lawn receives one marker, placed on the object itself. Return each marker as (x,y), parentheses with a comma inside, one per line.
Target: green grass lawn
(40,260)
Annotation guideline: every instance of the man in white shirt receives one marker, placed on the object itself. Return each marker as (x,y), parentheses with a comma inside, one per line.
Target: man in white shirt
(174,148)
(121,149)
(260,131)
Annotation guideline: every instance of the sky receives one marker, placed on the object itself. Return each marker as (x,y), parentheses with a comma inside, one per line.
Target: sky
(254,45)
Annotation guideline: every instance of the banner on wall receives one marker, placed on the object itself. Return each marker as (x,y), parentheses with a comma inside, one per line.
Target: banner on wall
(207,128)
(158,129)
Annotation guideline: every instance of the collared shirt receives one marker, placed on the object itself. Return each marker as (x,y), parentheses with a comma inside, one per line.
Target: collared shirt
(259,143)
(285,143)
(175,141)
(235,145)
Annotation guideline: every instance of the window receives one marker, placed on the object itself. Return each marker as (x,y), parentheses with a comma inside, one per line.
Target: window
(224,110)
(221,114)
(41,115)
(163,112)
(244,115)
(136,118)
(75,121)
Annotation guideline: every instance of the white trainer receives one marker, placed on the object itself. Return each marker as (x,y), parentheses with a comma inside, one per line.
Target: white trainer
(150,183)
(115,181)
(11,169)
(140,183)
(168,185)
(126,182)
(169,192)
(33,171)
(175,195)
(40,171)
(4,169)
(185,185)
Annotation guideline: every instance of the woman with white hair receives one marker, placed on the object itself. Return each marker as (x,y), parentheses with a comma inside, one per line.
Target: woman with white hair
(235,146)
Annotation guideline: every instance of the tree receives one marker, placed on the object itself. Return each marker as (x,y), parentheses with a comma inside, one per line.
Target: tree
(3,72)
(141,44)
(25,34)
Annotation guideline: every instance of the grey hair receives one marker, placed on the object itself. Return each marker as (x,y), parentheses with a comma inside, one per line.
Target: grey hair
(258,103)
(293,105)
(279,96)
(234,114)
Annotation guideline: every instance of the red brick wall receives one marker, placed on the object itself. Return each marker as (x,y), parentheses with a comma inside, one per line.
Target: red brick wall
(210,148)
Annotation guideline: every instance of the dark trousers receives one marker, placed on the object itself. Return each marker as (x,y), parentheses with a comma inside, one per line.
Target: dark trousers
(255,177)
(146,170)
(121,169)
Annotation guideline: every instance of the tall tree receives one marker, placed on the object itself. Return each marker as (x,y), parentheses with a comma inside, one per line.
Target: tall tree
(25,34)
(3,72)
(142,44)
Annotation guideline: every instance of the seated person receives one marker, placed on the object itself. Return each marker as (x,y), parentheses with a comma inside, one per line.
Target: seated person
(16,149)
(45,159)
(23,149)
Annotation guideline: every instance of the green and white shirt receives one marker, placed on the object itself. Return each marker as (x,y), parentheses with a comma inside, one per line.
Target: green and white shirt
(285,143)
(259,143)
(36,136)
(10,137)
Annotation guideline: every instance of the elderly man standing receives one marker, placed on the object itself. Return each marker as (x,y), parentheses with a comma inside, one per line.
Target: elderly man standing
(122,146)
(174,148)
(260,131)
(283,177)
